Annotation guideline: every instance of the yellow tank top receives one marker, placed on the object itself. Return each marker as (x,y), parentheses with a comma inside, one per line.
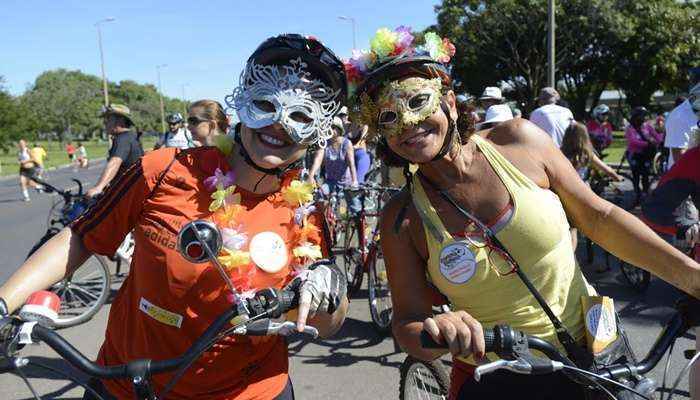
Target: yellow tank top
(537,237)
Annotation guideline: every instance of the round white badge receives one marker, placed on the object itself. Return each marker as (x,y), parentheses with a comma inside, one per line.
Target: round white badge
(457,262)
(601,323)
(268,251)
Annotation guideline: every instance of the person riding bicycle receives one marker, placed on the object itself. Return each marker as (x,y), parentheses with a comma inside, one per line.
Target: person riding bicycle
(511,180)
(338,160)
(642,144)
(247,185)
(126,150)
(177,135)
(599,128)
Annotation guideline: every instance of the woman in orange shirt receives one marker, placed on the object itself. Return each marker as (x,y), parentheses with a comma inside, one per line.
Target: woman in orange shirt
(288,95)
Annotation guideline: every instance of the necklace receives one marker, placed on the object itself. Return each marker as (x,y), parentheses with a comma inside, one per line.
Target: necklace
(266,252)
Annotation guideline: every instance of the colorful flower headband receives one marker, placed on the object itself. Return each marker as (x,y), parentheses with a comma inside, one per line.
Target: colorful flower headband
(387,44)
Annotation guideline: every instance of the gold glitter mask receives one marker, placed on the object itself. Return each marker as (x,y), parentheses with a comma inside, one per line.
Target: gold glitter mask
(407,103)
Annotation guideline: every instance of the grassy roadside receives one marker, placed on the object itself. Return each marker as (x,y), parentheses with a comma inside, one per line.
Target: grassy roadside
(57,156)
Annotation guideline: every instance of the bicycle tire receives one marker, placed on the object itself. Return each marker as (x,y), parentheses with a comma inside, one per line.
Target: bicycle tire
(67,316)
(658,164)
(637,278)
(423,379)
(378,291)
(352,259)
(94,285)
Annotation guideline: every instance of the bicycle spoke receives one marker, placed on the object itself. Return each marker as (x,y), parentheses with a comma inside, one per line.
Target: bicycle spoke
(86,292)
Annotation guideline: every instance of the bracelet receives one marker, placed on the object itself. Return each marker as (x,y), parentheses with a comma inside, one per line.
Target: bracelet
(3,308)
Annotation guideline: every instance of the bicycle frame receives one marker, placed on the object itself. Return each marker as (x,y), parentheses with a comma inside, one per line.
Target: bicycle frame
(249,317)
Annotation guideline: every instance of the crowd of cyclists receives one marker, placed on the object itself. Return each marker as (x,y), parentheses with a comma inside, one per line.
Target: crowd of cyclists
(486,219)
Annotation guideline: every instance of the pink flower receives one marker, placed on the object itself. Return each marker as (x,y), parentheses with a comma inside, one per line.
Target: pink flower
(405,39)
(219,180)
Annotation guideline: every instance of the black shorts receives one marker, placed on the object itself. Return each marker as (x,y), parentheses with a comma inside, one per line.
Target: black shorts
(28,172)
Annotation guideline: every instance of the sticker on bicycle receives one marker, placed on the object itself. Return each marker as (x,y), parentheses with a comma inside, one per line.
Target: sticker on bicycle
(268,251)
(457,262)
(160,314)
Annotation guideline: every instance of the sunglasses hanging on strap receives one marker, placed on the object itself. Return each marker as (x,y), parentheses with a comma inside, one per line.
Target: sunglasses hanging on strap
(579,355)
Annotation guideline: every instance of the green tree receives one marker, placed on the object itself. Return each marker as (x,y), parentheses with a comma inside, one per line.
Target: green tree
(661,39)
(11,124)
(64,101)
(637,46)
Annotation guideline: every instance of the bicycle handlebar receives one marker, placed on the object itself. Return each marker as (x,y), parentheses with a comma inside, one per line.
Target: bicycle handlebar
(510,344)
(267,303)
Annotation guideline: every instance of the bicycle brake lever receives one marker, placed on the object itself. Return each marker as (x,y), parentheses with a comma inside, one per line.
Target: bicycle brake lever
(265,327)
(288,327)
(527,366)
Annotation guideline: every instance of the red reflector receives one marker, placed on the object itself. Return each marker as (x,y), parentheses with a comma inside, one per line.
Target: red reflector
(194,250)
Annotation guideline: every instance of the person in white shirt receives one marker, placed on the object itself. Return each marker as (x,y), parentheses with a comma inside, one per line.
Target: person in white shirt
(680,123)
(177,135)
(550,117)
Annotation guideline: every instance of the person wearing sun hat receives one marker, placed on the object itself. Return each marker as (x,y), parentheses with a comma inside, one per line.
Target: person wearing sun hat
(492,95)
(495,114)
(125,150)
(272,236)
(471,222)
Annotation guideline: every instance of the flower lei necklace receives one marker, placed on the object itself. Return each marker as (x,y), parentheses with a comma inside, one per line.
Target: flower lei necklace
(226,210)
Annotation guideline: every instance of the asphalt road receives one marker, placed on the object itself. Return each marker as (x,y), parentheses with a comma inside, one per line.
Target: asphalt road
(356,364)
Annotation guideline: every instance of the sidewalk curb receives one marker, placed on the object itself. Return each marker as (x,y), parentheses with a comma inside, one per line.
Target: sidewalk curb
(15,176)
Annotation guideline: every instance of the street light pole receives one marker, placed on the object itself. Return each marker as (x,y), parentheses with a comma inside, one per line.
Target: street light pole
(160,94)
(102,59)
(551,48)
(185,103)
(354,29)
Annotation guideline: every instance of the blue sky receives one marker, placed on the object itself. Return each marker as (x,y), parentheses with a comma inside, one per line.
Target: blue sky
(204,43)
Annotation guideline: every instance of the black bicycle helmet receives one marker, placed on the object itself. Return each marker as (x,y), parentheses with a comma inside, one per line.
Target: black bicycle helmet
(638,112)
(321,61)
(174,118)
(403,60)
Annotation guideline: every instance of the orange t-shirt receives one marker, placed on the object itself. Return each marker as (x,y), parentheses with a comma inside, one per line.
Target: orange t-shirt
(166,302)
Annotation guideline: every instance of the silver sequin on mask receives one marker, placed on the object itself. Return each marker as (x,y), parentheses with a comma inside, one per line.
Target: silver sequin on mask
(288,95)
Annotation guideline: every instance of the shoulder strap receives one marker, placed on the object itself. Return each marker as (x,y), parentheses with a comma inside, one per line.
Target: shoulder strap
(162,174)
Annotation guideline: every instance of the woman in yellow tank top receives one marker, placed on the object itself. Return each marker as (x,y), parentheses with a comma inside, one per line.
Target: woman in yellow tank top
(510,180)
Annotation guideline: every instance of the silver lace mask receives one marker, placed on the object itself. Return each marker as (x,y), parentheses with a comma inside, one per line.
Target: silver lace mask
(288,95)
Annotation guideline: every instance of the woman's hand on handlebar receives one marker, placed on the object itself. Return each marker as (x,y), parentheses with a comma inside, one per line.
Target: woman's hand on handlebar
(322,288)
(459,331)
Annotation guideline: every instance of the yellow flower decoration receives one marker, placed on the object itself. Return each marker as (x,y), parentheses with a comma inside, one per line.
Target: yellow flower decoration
(221,197)
(224,143)
(308,250)
(234,258)
(298,193)
(383,42)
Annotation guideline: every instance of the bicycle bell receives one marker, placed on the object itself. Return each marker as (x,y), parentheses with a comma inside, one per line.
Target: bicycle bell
(191,236)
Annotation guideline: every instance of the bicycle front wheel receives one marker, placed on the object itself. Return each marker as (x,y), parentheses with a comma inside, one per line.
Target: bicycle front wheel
(423,379)
(379,293)
(83,293)
(636,277)
(352,257)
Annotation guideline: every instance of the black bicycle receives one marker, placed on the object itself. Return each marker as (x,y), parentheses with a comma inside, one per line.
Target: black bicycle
(637,278)
(85,291)
(513,348)
(252,317)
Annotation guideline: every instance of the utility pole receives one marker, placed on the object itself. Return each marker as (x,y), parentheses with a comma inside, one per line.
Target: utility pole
(354,29)
(551,47)
(185,103)
(160,94)
(102,59)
